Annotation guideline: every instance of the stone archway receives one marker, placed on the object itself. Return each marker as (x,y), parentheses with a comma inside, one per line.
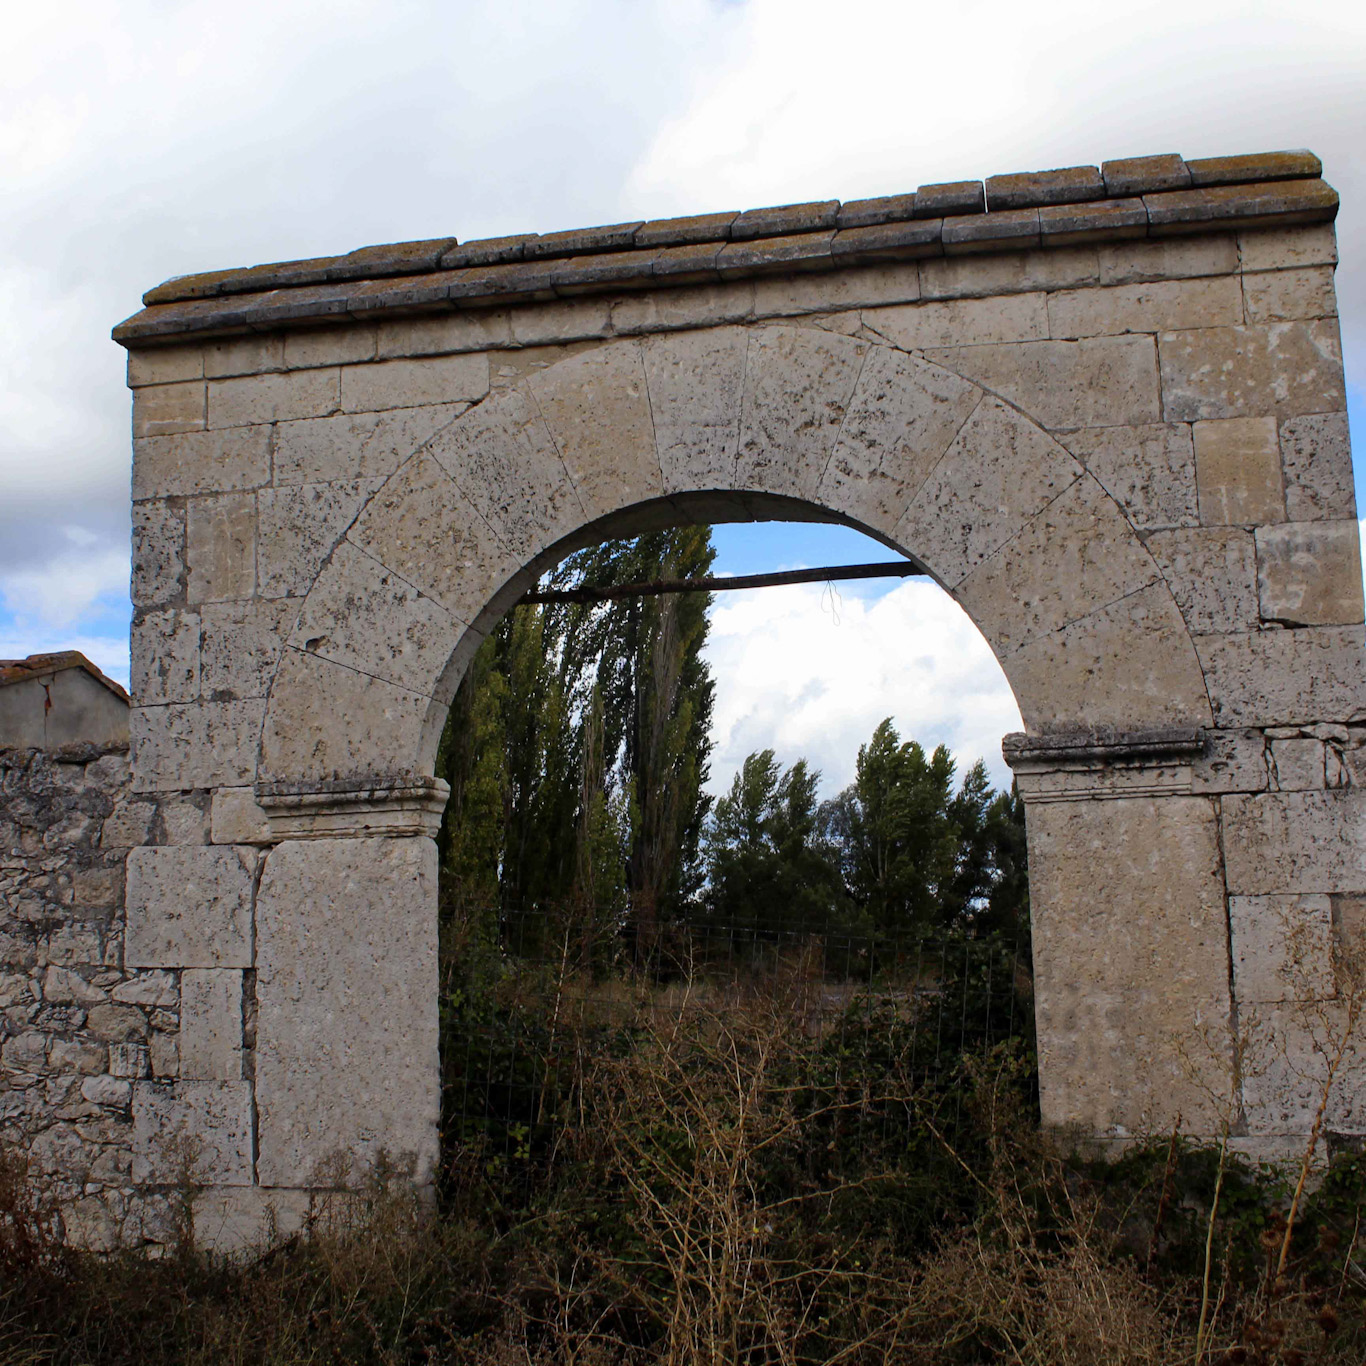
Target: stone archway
(1124,458)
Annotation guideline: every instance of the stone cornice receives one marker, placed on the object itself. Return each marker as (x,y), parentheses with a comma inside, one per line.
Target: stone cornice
(1122,200)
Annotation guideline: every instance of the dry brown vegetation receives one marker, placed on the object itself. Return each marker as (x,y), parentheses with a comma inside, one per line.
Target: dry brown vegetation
(722,1184)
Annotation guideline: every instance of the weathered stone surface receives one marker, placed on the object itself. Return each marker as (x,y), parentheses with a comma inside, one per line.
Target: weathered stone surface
(189,907)
(413,383)
(240,647)
(243,356)
(201,462)
(785,218)
(962,322)
(236,1220)
(1139,646)
(1144,175)
(1309,573)
(1099,221)
(1283,248)
(298,526)
(1285,1068)
(1233,761)
(1295,842)
(255,399)
(1282,947)
(1281,368)
(237,819)
(158,576)
(1148,470)
(1163,305)
(161,409)
(1101,382)
(901,419)
(1212,572)
(194,744)
(952,197)
(165,657)
(696,382)
(220,547)
(355,446)
(1138,919)
(798,383)
(790,296)
(998,472)
(668,310)
(1296,764)
(1238,471)
(443,334)
(1015,272)
(1316,459)
(1073,558)
(332,977)
(211,1025)
(598,410)
(321,346)
(423,528)
(503,459)
(165,365)
(1173,258)
(197,1131)
(1272,678)
(1278,295)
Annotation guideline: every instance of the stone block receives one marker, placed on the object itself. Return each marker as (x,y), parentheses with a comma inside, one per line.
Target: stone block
(870,287)
(196,1131)
(1238,471)
(1161,306)
(330,723)
(365,617)
(597,407)
(1074,557)
(355,446)
(249,355)
(962,322)
(220,547)
(503,461)
(316,347)
(165,657)
(1270,678)
(165,365)
(422,527)
(1296,764)
(1013,272)
(1175,258)
(1286,1079)
(201,462)
(1131,953)
(116,1023)
(237,819)
(1149,470)
(696,383)
(1006,230)
(902,417)
(115,1092)
(234,1221)
(1281,295)
(1100,382)
(334,1077)
(241,647)
(416,383)
(1316,460)
(1309,573)
(211,1024)
(163,1053)
(1295,842)
(190,907)
(129,1060)
(158,568)
(1126,667)
(161,409)
(1233,761)
(1069,185)
(998,472)
(255,399)
(1285,248)
(1212,572)
(298,527)
(488,329)
(1145,175)
(798,383)
(153,989)
(1284,369)
(690,306)
(183,820)
(128,825)
(565,320)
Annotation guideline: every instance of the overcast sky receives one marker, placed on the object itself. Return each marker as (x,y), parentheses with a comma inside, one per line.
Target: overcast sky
(141,140)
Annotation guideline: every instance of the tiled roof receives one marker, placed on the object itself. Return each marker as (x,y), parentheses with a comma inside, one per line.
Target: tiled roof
(1133,198)
(38,666)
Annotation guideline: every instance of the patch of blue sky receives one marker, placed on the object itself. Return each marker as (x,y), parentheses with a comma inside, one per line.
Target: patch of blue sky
(770,547)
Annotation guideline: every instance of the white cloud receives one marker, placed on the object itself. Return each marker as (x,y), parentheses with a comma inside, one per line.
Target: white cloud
(62,589)
(811,679)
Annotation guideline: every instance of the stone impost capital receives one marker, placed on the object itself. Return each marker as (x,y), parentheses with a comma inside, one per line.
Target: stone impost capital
(1097,765)
(401,805)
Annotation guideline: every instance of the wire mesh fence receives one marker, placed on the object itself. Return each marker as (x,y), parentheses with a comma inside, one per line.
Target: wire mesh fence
(547,1021)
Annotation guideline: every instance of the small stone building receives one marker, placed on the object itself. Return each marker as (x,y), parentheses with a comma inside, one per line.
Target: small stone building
(59,699)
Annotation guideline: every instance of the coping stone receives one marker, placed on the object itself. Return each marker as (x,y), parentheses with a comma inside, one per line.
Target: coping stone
(1145,175)
(952,197)
(1033,189)
(1296,165)
(682,232)
(784,220)
(898,241)
(990,231)
(582,241)
(486,251)
(401,258)
(1290,201)
(867,213)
